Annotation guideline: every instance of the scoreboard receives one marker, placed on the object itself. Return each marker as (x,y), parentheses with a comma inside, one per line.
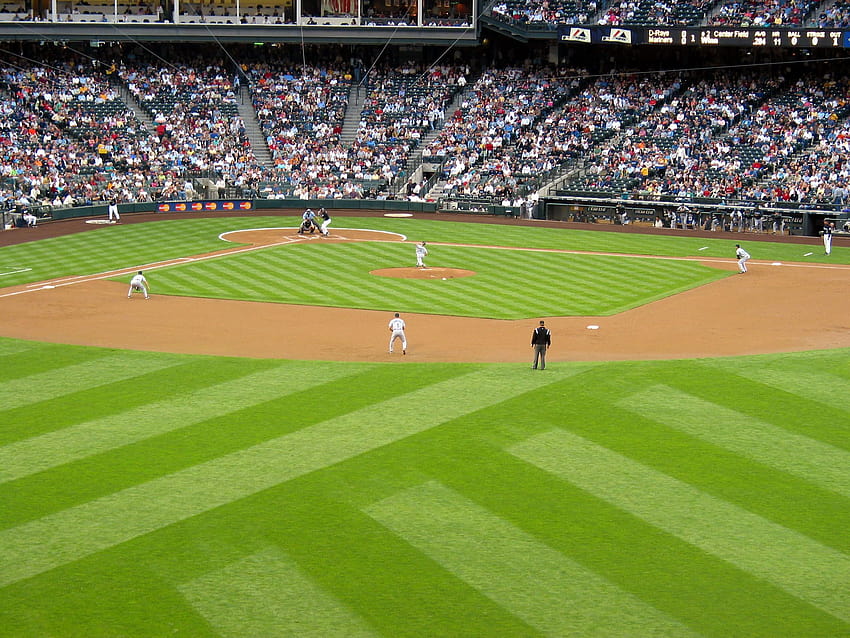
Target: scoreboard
(745,37)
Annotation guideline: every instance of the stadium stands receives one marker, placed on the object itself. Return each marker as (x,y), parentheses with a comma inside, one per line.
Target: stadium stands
(141,129)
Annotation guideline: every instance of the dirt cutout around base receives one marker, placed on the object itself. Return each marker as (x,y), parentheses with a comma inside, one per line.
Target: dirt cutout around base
(772,308)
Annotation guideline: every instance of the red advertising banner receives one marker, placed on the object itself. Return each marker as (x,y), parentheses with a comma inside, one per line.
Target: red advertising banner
(217,205)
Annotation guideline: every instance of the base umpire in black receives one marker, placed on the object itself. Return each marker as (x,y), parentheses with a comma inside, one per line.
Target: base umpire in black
(541,339)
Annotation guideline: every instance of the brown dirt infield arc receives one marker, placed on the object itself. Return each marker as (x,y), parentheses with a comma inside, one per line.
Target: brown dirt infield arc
(773,308)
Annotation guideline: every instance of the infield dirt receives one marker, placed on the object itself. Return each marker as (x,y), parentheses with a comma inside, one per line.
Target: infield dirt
(772,308)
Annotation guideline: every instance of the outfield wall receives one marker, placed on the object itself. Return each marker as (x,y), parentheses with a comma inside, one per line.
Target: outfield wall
(247,205)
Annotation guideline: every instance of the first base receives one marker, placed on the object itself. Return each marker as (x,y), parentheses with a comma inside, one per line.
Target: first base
(593,327)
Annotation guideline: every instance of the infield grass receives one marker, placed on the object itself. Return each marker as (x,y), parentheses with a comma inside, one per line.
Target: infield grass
(137,245)
(507,284)
(152,494)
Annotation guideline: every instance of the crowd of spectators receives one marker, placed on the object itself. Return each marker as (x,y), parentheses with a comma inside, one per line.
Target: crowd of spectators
(737,135)
(764,13)
(489,144)
(655,12)
(550,14)
(197,126)
(836,15)
(67,136)
(680,147)
(522,123)
(533,14)
(301,112)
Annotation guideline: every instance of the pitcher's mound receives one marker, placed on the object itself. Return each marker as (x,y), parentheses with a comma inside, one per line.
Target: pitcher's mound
(423,273)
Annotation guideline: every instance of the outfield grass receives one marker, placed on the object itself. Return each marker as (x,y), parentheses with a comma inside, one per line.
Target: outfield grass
(147,494)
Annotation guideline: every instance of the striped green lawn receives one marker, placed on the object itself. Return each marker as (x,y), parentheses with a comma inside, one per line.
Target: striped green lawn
(146,494)
(508,284)
(131,246)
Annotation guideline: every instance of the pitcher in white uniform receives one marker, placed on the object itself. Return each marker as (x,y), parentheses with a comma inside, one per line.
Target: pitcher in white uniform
(421,254)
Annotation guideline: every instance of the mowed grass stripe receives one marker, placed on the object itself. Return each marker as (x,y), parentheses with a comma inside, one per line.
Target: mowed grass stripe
(830,389)
(506,563)
(267,594)
(822,464)
(238,282)
(40,453)
(509,284)
(791,561)
(13,346)
(56,539)
(81,376)
(43,357)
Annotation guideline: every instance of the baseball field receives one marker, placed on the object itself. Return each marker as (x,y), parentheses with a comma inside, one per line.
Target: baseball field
(241,456)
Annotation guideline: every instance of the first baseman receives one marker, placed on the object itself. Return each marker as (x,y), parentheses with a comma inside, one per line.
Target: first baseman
(138,284)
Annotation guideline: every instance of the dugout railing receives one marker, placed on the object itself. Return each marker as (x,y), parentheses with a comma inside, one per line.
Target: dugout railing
(728,215)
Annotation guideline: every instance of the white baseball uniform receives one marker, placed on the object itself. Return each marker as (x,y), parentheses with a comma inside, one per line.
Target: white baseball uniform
(421,253)
(138,284)
(742,256)
(397,326)
(326,221)
(827,238)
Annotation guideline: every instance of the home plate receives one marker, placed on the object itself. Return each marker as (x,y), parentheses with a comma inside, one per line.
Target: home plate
(593,327)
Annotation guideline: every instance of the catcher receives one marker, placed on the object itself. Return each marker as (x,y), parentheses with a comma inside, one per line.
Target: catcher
(139,284)
(309,223)
(308,226)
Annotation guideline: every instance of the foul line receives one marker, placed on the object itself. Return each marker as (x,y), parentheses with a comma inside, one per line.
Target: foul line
(15,271)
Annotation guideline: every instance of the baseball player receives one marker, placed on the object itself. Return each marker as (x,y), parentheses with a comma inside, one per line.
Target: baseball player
(397,328)
(828,227)
(326,221)
(421,254)
(138,284)
(112,210)
(308,222)
(742,256)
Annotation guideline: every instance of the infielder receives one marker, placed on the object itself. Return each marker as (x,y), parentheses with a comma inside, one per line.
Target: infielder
(742,256)
(138,284)
(397,328)
(421,254)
